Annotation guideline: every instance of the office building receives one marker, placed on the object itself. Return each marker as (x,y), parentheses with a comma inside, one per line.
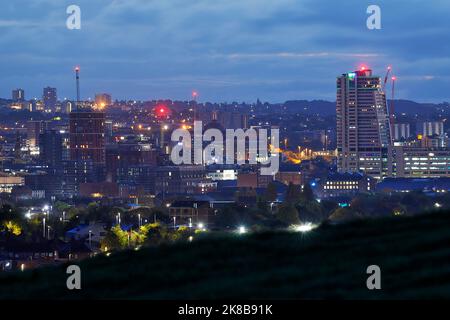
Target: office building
(178,179)
(418,162)
(225,119)
(67,106)
(109,131)
(49,98)
(363,132)
(34,130)
(87,136)
(51,149)
(103,100)
(121,156)
(18,95)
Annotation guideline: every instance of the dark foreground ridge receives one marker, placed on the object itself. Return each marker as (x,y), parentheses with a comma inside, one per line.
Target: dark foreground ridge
(328,262)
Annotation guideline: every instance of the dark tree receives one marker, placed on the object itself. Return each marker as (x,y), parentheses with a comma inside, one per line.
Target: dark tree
(288,215)
(293,193)
(271,192)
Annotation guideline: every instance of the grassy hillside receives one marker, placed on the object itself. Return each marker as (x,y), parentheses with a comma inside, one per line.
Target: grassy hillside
(329,262)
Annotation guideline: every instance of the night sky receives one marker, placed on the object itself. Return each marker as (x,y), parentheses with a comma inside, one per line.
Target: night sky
(228,50)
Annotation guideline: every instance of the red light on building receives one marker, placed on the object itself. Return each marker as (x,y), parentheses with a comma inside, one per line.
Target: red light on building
(162,111)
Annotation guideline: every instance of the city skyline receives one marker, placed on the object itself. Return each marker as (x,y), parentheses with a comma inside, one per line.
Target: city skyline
(271,51)
(224,149)
(103,98)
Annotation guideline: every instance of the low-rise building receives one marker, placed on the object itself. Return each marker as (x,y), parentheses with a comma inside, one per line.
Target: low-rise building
(99,190)
(340,184)
(404,185)
(190,212)
(418,162)
(253,180)
(288,177)
(8,182)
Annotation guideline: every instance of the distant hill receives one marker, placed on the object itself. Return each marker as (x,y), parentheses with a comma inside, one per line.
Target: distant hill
(326,108)
(329,262)
(320,107)
(423,109)
(311,107)
(4,102)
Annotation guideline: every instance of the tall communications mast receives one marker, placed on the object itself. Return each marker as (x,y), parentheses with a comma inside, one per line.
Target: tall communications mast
(77,77)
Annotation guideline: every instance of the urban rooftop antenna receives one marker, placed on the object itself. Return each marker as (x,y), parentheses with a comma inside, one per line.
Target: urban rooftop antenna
(194,98)
(77,77)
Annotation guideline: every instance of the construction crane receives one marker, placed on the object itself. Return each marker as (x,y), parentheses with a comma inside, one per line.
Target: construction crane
(391,108)
(389,68)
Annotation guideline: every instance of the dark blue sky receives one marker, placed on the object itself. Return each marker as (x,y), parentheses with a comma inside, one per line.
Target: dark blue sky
(228,50)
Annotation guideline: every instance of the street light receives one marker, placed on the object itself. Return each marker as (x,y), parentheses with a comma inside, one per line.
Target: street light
(242,230)
(306,227)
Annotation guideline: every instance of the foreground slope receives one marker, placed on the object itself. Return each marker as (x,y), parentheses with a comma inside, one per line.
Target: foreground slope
(329,262)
